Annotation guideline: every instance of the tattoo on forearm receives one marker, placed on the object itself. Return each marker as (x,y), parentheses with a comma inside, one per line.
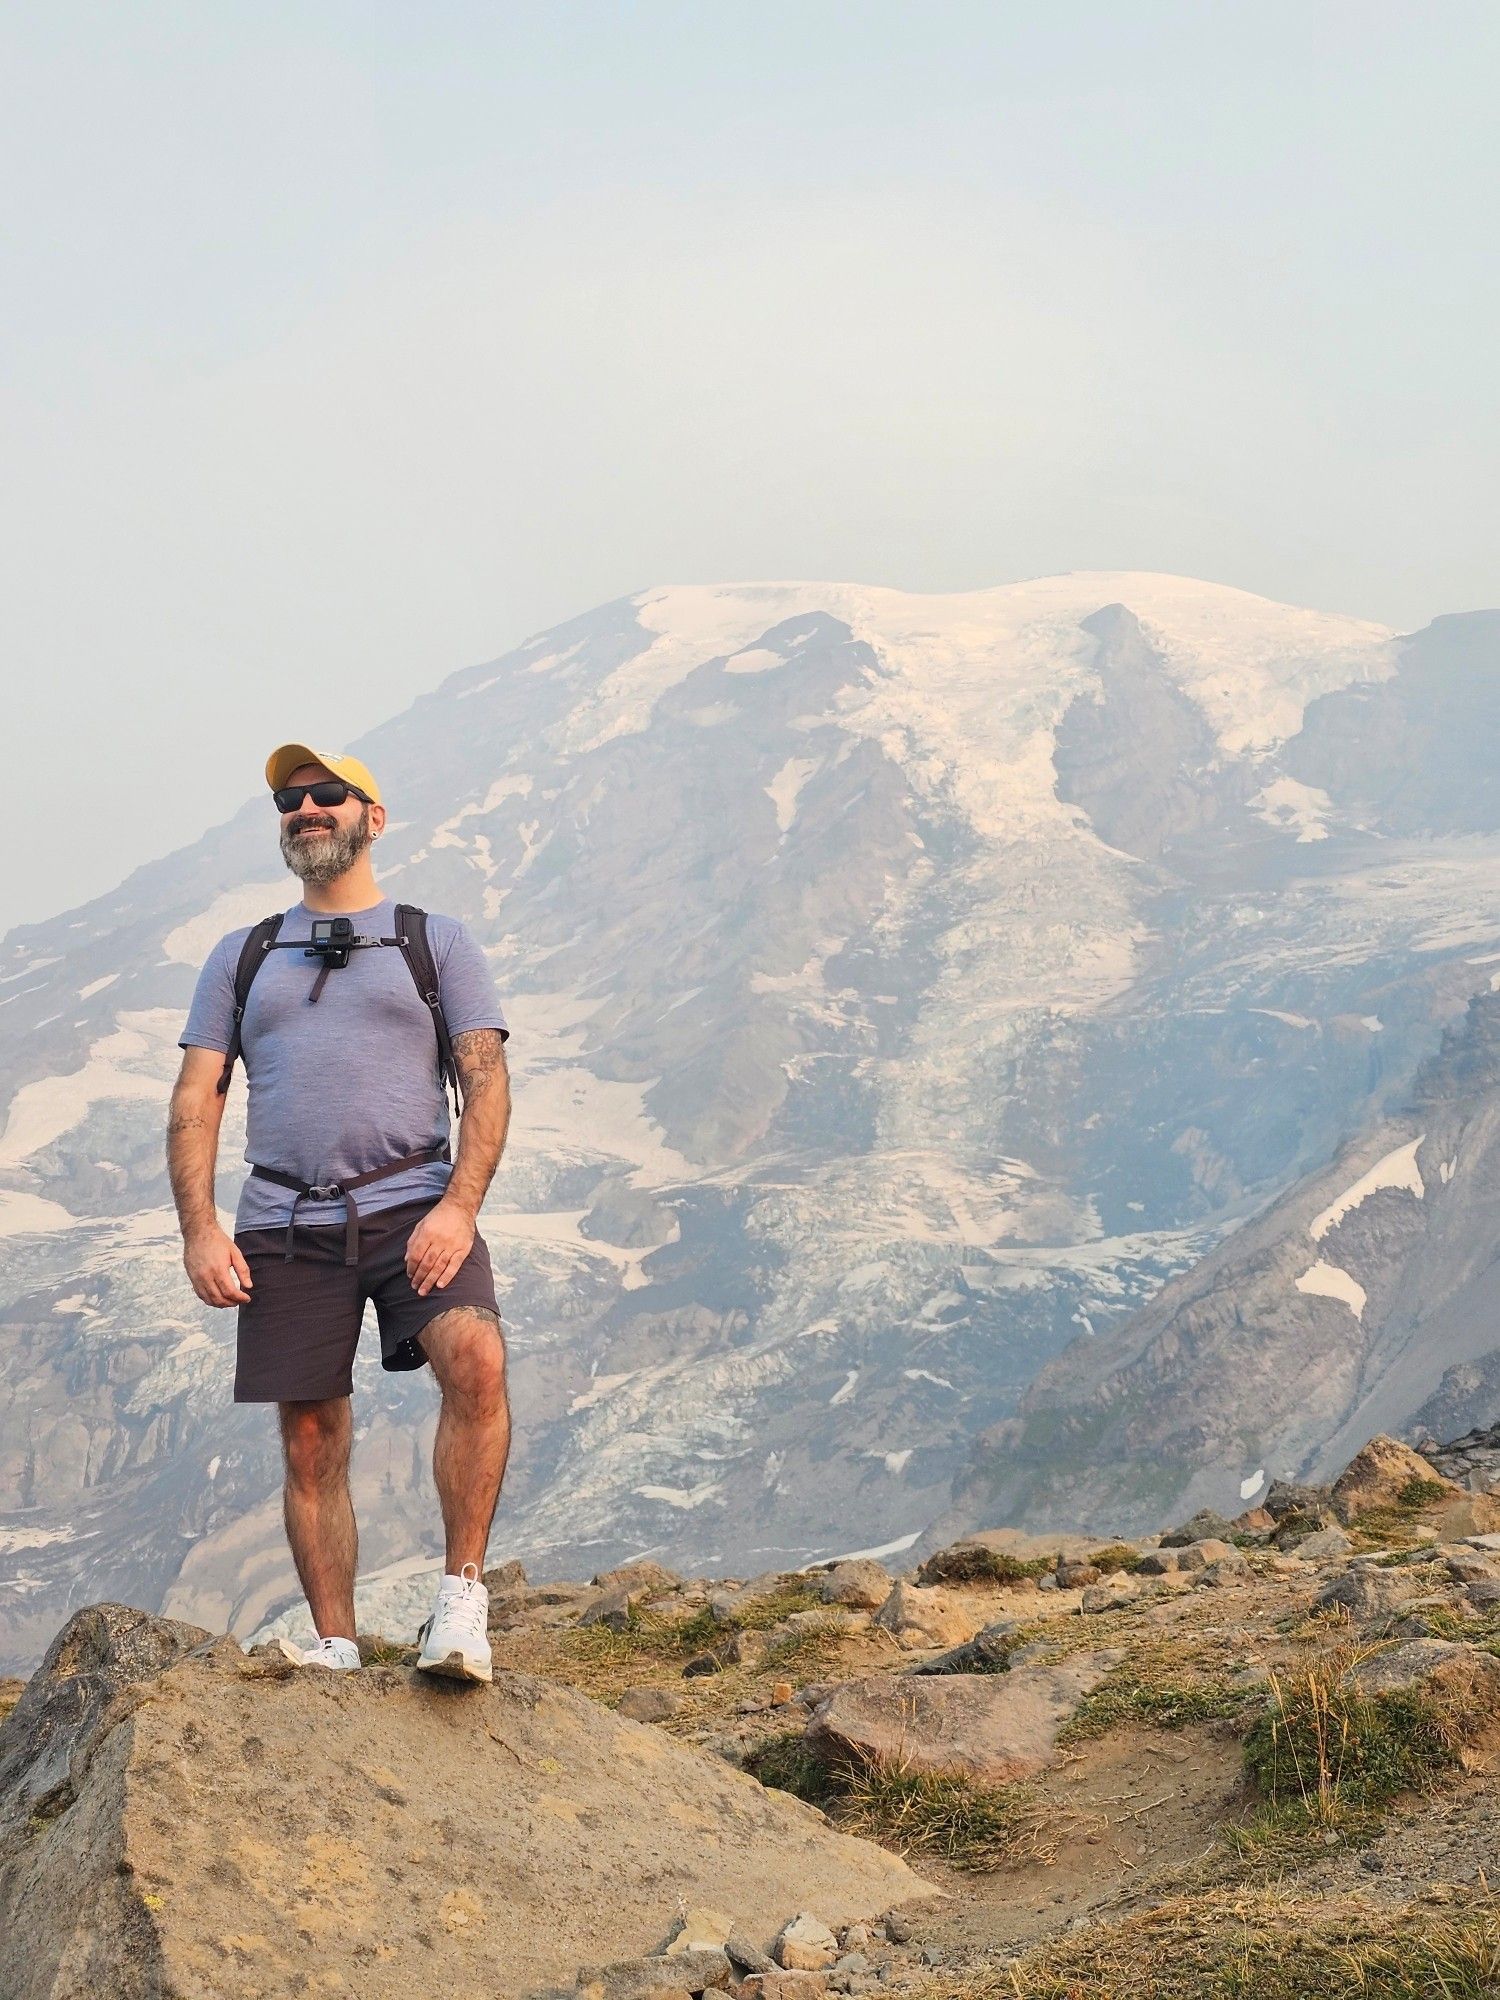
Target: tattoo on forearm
(480,1056)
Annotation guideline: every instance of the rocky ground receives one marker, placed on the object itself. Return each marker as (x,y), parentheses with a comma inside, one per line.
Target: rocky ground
(1249,1756)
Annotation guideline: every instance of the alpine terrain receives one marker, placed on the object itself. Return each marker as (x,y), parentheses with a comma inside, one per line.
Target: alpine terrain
(904,990)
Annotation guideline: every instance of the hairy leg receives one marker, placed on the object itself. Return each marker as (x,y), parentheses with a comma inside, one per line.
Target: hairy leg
(467,1350)
(318,1509)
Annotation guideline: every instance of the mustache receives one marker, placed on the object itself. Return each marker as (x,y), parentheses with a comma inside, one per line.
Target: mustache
(305,825)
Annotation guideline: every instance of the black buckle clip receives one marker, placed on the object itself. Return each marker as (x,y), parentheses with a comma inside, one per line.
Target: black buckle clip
(329,1193)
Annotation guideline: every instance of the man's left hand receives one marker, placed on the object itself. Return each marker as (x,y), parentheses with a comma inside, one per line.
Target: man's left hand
(438,1246)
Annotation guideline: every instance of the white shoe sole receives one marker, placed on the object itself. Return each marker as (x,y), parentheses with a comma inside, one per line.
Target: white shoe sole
(454,1667)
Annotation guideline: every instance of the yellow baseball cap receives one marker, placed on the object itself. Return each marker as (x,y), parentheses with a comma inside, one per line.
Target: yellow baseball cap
(283,761)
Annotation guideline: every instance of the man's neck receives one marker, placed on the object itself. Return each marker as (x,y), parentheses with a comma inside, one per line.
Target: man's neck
(356,889)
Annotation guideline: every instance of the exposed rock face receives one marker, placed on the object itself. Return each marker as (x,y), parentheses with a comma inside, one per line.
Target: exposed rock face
(1330,1317)
(993,1728)
(179,1817)
(1379,1475)
(1471,1461)
(917,1618)
(862,1586)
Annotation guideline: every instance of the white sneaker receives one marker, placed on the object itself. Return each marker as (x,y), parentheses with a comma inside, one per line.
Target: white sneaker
(340,1653)
(454,1640)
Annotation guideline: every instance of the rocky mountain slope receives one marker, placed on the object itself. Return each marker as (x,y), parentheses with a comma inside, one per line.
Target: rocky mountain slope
(1250,1755)
(1366,1298)
(901,987)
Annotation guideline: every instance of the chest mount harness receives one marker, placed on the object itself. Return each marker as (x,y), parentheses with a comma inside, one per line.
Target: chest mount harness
(333,938)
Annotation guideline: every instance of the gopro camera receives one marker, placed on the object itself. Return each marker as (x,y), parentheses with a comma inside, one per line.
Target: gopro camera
(332,940)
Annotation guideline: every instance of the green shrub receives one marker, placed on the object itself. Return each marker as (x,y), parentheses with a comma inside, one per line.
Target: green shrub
(976,1564)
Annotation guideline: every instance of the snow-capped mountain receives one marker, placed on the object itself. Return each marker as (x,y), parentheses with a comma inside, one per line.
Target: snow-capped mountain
(900,987)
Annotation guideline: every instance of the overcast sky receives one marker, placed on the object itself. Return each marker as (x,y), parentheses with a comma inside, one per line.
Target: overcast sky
(345,345)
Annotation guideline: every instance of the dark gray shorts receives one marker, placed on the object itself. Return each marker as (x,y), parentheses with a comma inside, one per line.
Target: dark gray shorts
(298,1335)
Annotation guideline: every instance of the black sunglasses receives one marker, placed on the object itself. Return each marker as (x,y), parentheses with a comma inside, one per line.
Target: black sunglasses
(326,792)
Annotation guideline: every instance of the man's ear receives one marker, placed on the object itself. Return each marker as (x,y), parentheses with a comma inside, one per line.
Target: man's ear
(377,821)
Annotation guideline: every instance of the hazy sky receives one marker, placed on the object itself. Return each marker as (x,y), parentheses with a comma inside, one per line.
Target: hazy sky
(344,345)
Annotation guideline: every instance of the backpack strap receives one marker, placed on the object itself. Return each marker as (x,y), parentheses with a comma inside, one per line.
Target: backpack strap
(411,936)
(252,958)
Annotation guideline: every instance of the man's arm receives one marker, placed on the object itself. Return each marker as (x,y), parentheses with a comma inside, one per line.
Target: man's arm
(220,1276)
(442,1239)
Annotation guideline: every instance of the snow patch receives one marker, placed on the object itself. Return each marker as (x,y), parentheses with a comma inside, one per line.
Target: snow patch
(896,1548)
(1326,1281)
(680,1496)
(1251,1486)
(925,1375)
(1397,1170)
(754,660)
(1292,806)
(191,942)
(843,1394)
(115,1067)
(97,986)
(784,787)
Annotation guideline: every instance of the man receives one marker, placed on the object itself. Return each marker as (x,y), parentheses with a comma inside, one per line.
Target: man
(345,1087)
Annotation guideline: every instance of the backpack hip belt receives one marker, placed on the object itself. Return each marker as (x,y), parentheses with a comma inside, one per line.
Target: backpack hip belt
(333,1190)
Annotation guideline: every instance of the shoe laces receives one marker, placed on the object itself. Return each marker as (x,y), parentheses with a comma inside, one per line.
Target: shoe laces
(330,1649)
(467,1608)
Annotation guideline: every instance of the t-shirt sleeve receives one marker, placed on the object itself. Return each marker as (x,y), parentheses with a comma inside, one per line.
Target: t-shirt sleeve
(210,1019)
(469,996)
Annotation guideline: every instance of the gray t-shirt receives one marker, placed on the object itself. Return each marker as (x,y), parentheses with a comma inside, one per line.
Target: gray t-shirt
(352,1082)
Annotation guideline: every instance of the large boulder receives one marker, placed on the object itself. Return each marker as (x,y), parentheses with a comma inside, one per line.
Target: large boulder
(178,1817)
(917,1618)
(1384,1473)
(861,1585)
(991,1728)
(1460,1675)
(1373,1596)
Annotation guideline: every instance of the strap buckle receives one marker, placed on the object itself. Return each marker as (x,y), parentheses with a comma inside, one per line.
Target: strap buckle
(329,1193)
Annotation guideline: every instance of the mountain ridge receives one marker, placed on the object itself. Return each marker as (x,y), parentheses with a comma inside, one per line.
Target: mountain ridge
(857,1070)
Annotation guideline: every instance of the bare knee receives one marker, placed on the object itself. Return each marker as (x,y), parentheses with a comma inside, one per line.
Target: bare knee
(467,1350)
(315,1441)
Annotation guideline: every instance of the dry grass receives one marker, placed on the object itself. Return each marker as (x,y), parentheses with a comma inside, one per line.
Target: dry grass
(978,1828)
(1327,1759)
(1258,1945)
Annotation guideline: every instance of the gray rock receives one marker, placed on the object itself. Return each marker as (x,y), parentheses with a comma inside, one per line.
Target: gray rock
(1159,1562)
(1198,1555)
(1113,1594)
(749,1957)
(1205,1525)
(862,1585)
(806,1944)
(1074,1575)
(647,1578)
(83,1685)
(613,1610)
(1419,1661)
(993,1728)
(653,1978)
(988,1652)
(649,1704)
(1322,1544)
(1372,1595)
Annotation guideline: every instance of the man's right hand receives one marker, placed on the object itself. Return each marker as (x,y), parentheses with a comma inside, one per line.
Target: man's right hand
(216,1265)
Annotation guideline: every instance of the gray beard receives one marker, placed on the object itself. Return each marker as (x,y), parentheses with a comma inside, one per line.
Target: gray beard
(323,861)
